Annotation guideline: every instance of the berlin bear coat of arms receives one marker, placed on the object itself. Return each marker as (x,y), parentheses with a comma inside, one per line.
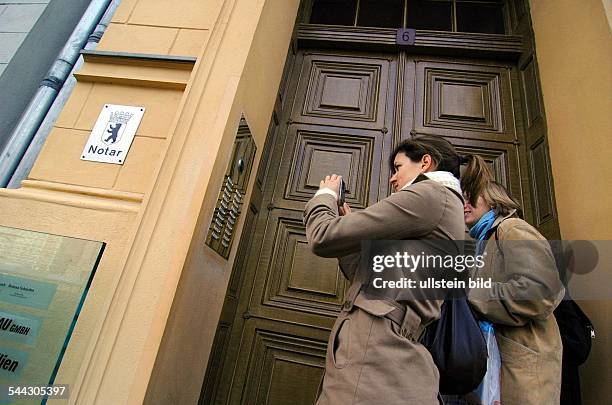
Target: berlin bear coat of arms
(113,133)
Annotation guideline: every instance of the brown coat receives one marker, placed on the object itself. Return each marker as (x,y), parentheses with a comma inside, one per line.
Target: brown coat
(526,330)
(370,358)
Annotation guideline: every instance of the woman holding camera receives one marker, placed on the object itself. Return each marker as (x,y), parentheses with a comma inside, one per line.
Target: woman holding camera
(373,354)
(526,289)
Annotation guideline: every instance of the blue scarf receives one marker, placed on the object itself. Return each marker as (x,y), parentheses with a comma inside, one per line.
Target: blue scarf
(480,229)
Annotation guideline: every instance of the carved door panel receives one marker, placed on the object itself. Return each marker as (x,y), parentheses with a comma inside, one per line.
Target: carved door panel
(470,103)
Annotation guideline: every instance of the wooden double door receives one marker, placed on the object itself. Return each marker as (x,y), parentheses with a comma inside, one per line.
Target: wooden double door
(340,112)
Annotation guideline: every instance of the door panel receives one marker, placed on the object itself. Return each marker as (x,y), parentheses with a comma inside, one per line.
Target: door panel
(536,147)
(292,280)
(343,90)
(464,100)
(282,367)
(533,110)
(315,151)
(542,183)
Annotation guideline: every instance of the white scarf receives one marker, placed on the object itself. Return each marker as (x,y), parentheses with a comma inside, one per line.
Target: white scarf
(445,178)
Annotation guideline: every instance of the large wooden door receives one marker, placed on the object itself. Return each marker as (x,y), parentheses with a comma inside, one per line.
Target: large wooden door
(340,112)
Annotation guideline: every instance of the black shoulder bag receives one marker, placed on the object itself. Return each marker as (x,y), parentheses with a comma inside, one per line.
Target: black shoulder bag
(458,348)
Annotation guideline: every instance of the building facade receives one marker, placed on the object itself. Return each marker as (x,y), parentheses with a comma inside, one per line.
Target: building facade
(206,290)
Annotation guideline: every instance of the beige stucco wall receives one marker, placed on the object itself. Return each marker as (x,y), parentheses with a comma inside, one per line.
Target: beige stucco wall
(153,211)
(251,90)
(574,51)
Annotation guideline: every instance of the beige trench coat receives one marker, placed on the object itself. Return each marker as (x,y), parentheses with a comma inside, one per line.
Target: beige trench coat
(526,330)
(370,358)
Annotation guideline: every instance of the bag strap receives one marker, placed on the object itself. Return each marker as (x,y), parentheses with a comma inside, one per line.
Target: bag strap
(497,240)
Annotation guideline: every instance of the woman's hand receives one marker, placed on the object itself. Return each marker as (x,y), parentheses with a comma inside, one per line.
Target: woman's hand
(344,210)
(332,182)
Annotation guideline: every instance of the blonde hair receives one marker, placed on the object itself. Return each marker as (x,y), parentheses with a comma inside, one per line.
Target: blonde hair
(497,196)
(477,181)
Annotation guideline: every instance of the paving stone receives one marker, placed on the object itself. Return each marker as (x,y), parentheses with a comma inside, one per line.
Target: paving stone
(24,1)
(20,17)
(9,43)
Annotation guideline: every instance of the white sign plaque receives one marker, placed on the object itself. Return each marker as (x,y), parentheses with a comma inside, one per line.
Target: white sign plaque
(113,133)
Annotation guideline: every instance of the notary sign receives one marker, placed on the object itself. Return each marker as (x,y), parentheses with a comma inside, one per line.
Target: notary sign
(113,134)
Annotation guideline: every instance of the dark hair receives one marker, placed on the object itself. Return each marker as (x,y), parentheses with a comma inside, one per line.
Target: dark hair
(441,151)
(478,181)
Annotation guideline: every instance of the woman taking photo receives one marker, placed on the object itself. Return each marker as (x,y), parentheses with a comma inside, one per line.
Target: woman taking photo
(373,354)
(525,289)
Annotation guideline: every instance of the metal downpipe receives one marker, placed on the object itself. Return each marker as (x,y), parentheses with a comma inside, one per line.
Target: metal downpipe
(29,158)
(37,109)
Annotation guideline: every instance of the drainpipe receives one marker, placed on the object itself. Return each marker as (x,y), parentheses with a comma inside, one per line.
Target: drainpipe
(39,106)
(29,158)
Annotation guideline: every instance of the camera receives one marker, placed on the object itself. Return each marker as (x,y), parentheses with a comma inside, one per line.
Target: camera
(341,193)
